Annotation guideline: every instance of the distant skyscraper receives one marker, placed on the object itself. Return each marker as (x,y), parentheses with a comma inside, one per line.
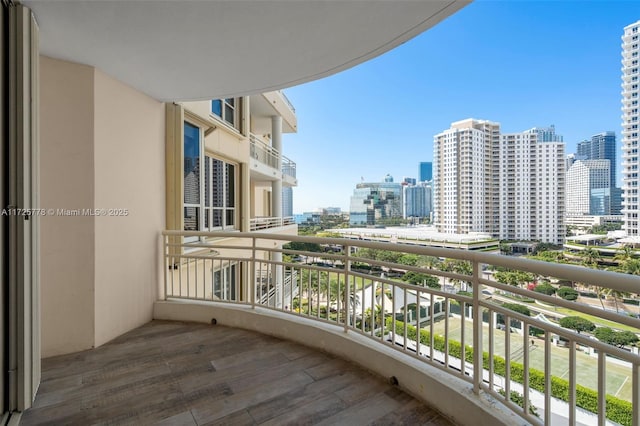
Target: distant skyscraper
(601,147)
(408,181)
(588,188)
(508,185)
(630,120)
(546,134)
(417,201)
(375,201)
(426,171)
(287,201)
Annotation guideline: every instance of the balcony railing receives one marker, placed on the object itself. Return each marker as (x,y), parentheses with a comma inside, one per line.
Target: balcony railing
(263,152)
(288,167)
(261,223)
(465,319)
(284,96)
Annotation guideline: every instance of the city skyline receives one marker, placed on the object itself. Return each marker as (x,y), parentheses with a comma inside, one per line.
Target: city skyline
(476,64)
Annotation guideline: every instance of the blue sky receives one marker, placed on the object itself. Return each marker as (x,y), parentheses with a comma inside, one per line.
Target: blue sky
(520,63)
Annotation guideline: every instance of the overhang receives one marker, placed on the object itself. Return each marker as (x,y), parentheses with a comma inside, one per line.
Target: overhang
(193,50)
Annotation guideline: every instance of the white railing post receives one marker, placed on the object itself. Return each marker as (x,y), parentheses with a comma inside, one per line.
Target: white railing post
(252,273)
(477,329)
(165,251)
(635,397)
(347,288)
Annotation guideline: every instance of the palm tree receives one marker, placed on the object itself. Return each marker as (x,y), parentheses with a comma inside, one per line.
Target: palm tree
(623,255)
(590,257)
(632,266)
(611,292)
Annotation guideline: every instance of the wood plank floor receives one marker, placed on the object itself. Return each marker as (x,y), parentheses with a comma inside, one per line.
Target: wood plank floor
(175,373)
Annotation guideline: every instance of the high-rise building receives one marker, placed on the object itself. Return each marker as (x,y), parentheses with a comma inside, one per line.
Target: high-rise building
(508,185)
(601,147)
(463,177)
(426,171)
(416,201)
(546,134)
(588,188)
(287,201)
(630,119)
(408,181)
(373,202)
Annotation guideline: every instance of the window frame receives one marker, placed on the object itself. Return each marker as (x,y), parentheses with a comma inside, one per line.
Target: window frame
(206,176)
(224,104)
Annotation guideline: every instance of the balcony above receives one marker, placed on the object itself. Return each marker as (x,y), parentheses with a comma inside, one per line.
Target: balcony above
(272,224)
(264,161)
(266,105)
(190,50)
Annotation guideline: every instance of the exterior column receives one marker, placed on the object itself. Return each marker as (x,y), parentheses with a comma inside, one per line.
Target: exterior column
(276,204)
(276,186)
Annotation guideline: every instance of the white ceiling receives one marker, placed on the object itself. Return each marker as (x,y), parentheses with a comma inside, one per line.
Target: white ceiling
(206,49)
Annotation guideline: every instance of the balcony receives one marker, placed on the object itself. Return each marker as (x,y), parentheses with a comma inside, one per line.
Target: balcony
(185,373)
(289,172)
(472,351)
(264,223)
(264,160)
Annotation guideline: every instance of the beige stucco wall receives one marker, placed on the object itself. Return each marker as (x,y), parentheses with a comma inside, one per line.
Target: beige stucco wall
(102,147)
(66,170)
(129,174)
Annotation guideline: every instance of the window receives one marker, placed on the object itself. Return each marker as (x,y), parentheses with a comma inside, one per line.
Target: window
(220,190)
(225,109)
(210,194)
(192,209)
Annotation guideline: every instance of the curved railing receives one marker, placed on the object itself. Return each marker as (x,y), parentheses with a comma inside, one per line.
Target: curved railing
(527,361)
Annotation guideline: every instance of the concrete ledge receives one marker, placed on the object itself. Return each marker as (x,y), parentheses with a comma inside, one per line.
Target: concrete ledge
(453,397)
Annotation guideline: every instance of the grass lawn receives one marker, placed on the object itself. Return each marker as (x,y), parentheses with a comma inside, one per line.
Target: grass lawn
(618,377)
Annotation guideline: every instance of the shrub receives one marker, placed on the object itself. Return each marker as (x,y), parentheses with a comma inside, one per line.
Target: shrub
(545,288)
(578,324)
(567,293)
(618,410)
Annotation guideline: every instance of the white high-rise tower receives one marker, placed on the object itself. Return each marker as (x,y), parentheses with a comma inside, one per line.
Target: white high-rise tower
(630,119)
(509,185)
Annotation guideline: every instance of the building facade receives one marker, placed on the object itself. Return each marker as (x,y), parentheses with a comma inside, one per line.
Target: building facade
(416,201)
(426,171)
(464,184)
(374,203)
(630,119)
(588,188)
(508,185)
(546,134)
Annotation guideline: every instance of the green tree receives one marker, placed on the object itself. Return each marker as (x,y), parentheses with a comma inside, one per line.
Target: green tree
(421,279)
(516,307)
(505,248)
(617,295)
(615,338)
(430,262)
(409,259)
(545,288)
(567,293)
(590,257)
(300,246)
(631,266)
(624,254)
(313,284)
(462,267)
(514,278)
(576,323)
